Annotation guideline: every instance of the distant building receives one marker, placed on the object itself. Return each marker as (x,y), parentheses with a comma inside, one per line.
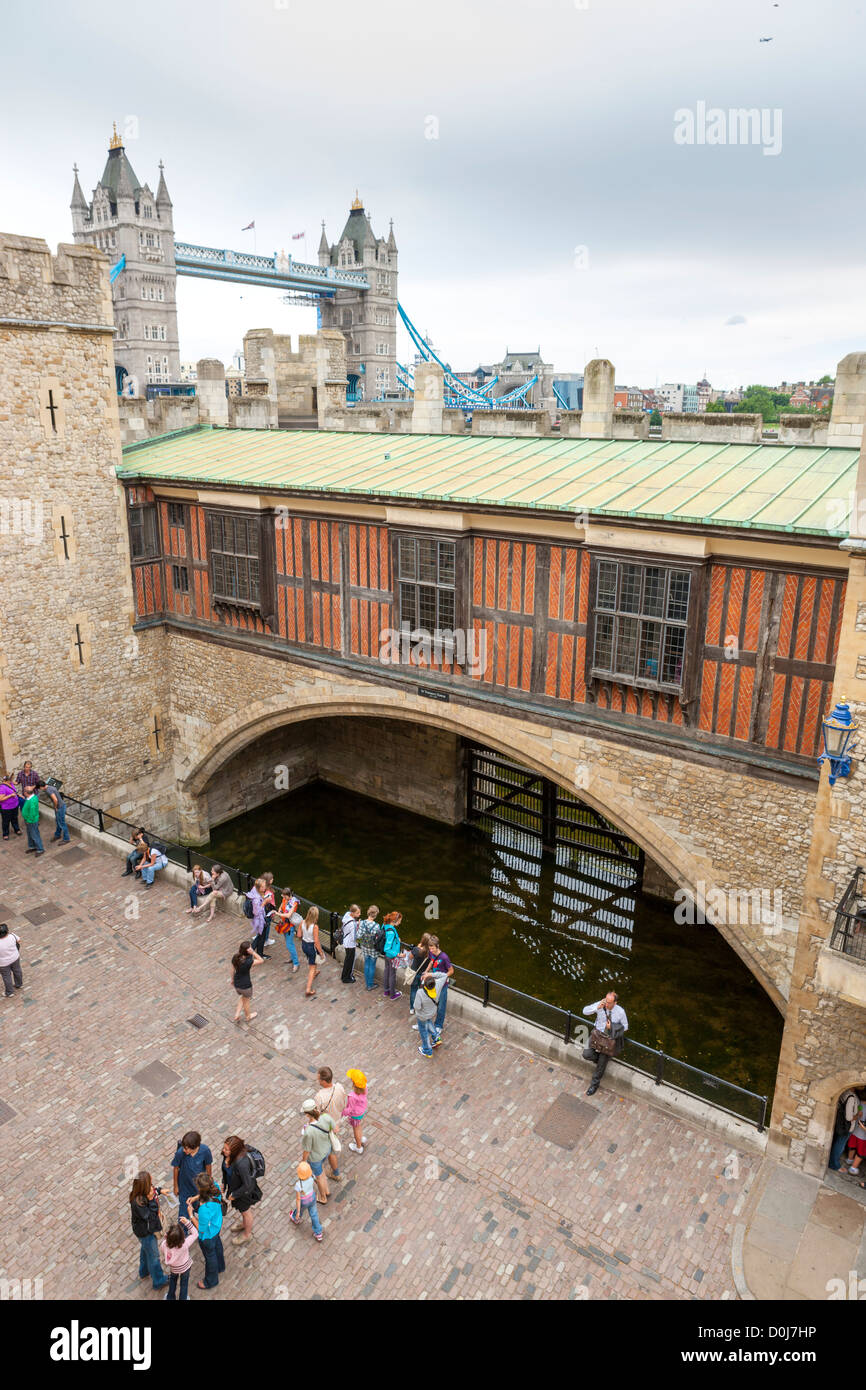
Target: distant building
(366,318)
(188,371)
(801,396)
(134,227)
(569,387)
(620,398)
(690,400)
(671,395)
(704,390)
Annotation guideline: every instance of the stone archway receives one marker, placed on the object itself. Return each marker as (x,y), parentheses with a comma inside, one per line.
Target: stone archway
(576,761)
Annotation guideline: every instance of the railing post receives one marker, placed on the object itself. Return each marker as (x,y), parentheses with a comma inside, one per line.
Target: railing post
(568,1022)
(101,821)
(660,1068)
(188,860)
(486,999)
(763,1120)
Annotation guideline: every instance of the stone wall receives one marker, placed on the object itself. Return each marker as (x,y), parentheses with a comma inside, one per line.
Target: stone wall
(418,769)
(804,429)
(282,761)
(712,427)
(405,765)
(79,690)
(824,1044)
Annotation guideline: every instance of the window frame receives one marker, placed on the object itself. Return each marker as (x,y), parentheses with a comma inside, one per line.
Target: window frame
(460,588)
(148,512)
(253,522)
(685,689)
(180,578)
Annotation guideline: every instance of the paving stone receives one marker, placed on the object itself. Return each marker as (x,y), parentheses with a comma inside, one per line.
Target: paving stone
(392,1231)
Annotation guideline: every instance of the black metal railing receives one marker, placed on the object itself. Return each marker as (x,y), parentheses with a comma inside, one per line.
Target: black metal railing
(572,1028)
(849,928)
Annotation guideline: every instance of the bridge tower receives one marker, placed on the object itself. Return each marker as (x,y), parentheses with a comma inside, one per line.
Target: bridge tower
(124,219)
(366,318)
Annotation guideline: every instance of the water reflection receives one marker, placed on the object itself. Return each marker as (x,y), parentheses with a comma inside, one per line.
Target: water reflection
(564,928)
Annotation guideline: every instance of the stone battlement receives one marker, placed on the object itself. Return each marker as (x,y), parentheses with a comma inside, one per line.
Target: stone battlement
(69,288)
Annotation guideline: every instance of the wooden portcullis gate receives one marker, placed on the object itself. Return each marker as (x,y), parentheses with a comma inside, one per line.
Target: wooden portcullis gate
(550,819)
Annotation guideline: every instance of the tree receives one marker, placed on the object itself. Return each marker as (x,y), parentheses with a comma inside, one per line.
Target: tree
(758,400)
(655,418)
(825,381)
(717,406)
(779,398)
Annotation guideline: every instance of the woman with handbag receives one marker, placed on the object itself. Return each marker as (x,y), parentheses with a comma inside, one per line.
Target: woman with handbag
(607,1037)
(146,1226)
(330,1101)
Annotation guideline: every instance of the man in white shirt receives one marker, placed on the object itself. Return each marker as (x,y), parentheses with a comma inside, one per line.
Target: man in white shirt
(610,1019)
(350,927)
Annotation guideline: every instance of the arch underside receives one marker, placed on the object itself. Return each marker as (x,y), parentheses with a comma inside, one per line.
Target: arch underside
(686,863)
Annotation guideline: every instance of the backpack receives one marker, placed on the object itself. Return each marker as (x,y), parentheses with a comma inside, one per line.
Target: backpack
(249,910)
(379,938)
(336,929)
(257,1161)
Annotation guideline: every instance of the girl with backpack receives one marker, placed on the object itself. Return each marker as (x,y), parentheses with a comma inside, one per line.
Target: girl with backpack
(240,1186)
(242,964)
(368,944)
(391,949)
(146,1225)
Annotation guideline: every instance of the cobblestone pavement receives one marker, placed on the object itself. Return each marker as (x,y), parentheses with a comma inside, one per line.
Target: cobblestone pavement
(455,1196)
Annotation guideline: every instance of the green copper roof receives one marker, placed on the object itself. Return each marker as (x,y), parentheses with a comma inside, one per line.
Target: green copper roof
(762,486)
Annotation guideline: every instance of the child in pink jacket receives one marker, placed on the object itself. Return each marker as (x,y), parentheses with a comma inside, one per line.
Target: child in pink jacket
(178,1260)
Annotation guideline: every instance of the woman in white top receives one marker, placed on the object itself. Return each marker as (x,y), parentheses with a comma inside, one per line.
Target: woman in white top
(10,960)
(310,947)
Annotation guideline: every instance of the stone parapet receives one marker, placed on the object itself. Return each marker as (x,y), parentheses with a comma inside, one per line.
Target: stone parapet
(712,427)
(805,429)
(69,288)
(511,423)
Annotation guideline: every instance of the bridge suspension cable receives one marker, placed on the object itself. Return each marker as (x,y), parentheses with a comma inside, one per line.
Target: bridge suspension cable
(457,392)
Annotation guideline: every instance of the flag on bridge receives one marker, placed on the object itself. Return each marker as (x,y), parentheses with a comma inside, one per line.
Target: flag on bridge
(250,227)
(296,236)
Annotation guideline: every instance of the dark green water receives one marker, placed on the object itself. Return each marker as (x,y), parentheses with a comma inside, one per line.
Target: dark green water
(534,926)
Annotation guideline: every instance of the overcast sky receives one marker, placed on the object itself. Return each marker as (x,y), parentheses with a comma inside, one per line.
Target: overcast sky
(555,207)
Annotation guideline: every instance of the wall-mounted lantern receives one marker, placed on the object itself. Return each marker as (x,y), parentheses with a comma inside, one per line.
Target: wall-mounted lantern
(839,730)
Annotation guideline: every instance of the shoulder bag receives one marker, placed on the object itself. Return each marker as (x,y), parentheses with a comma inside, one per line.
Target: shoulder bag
(603,1042)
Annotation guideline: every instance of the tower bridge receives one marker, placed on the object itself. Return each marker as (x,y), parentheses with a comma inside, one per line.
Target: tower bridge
(279,271)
